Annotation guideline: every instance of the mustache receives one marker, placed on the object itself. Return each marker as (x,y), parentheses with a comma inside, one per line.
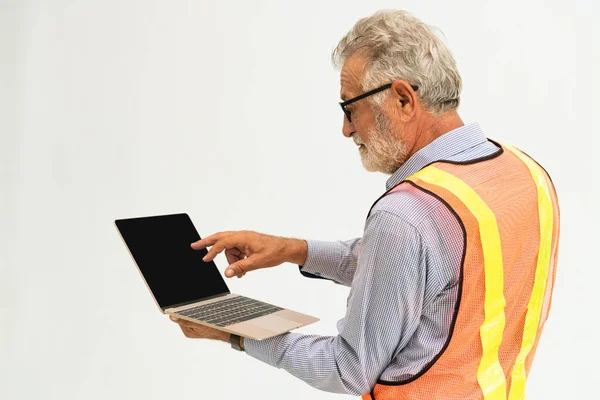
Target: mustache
(357,139)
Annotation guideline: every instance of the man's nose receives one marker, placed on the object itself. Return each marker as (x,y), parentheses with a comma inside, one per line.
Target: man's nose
(348,128)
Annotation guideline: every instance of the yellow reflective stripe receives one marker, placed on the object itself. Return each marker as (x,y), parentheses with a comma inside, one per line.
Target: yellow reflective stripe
(490,374)
(534,307)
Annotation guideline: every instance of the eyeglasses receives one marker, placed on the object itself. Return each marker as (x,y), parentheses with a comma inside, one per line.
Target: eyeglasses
(362,96)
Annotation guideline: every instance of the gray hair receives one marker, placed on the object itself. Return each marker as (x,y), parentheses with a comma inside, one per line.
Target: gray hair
(398,45)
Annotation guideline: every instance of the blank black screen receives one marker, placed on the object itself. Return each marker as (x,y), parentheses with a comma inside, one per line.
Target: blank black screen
(173,270)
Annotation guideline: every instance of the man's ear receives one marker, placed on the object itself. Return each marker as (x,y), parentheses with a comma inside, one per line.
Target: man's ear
(405,99)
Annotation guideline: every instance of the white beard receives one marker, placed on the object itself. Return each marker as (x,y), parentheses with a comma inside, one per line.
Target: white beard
(384,153)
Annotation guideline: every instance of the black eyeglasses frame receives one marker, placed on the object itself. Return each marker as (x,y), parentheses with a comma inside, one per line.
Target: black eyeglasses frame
(348,113)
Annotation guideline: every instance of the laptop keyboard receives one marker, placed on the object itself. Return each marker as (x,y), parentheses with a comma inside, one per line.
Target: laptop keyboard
(230,311)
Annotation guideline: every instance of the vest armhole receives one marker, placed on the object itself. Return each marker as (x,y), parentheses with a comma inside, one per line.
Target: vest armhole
(458,296)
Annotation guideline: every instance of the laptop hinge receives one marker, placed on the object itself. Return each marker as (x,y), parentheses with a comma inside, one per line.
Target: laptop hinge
(186,303)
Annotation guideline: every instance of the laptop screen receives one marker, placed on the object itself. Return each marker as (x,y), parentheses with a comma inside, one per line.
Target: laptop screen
(173,270)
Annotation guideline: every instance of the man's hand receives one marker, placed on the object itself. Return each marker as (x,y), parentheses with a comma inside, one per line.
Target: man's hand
(197,331)
(248,251)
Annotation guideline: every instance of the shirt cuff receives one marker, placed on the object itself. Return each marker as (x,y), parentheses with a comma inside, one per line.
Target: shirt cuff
(266,350)
(323,260)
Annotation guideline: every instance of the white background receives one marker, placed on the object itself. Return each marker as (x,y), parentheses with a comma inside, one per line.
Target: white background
(228,111)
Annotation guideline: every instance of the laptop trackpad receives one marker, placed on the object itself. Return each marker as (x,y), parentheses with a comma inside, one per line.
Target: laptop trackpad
(274,323)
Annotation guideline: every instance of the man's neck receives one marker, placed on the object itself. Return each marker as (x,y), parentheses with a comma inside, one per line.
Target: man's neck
(432,128)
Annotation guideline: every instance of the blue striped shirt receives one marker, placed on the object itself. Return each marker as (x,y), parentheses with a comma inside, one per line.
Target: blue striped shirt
(403,290)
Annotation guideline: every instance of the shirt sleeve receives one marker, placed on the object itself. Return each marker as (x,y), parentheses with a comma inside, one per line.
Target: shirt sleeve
(383,310)
(335,261)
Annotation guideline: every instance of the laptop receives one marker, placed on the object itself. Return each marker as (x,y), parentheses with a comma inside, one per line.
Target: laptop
(183,285)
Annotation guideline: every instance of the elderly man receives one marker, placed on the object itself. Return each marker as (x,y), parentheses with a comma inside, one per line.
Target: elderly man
(452,279)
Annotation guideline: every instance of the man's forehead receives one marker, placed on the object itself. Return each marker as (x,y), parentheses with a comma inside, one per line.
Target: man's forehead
(346,87)
(350,76)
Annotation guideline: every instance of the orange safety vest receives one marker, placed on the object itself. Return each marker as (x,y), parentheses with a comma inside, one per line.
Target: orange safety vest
(508,210)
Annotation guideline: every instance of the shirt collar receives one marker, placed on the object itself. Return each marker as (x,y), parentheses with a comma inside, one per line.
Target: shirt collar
(442,148)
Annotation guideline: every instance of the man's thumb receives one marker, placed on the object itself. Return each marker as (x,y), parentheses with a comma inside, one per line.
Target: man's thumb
(239,268)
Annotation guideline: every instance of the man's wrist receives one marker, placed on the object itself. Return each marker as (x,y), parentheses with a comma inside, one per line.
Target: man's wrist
(237,342)
(224,337)
(297,250)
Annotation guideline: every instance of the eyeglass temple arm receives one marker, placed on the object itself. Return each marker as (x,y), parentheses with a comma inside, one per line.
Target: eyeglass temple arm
(372,92)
